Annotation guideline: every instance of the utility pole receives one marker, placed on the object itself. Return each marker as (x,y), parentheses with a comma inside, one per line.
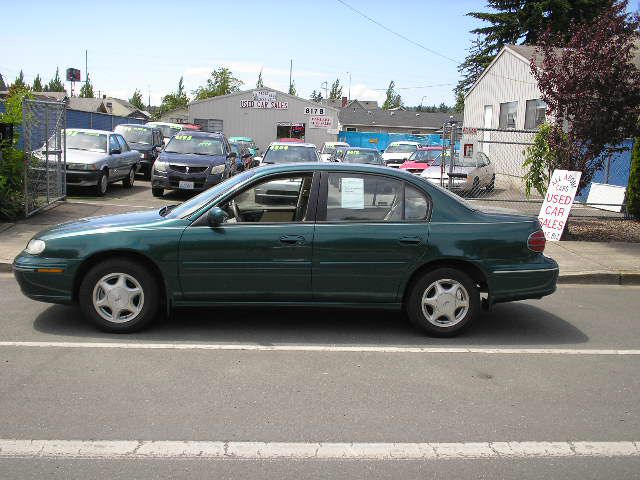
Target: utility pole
(290,73)
(148,97)
(326,89)
(349,94)
(86,68)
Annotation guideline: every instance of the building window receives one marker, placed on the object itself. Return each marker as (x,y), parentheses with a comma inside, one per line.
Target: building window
(535,115)
(508,113)
(351,129)
(210,124)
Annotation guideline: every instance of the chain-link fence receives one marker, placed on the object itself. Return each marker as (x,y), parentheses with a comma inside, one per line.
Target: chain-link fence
(488,169)
(43,125)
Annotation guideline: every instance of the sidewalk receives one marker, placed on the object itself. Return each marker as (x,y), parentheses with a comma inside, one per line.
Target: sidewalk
(611,263)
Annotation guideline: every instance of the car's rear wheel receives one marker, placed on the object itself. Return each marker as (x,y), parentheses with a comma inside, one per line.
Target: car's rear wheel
(492,184)
(443,302)
(127,182)
(119,296)
(102,184)
(157,191)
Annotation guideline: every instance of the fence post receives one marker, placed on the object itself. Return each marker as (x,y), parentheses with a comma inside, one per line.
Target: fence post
(26,155)
(46,146)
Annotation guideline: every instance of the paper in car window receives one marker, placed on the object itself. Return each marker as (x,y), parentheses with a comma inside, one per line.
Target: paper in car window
(353,193)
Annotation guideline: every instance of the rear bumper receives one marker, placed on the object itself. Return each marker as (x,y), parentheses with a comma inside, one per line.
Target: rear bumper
(524,281)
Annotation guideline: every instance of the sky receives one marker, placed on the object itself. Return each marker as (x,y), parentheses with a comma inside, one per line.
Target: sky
(149,45)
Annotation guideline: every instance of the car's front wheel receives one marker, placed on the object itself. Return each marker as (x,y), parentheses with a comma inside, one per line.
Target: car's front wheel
(443,302)
(127,182)
(102,184)
(119,296)
(157,191)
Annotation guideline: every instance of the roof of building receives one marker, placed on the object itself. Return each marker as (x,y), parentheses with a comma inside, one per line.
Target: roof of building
(86,104)
(356,113)
(2,85)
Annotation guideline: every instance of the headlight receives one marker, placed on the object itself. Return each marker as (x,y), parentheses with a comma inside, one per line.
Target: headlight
(81,166)
(160,166)
(35,247)
(144,155)
(217,170)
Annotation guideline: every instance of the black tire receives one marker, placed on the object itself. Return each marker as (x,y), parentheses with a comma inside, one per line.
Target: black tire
(492,184)
(128,181)
(414,307)
(103,184)
(148,284)
(146,173)
(475,189)
(157,191)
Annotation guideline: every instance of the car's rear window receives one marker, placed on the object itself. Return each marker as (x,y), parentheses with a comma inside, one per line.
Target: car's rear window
(401,148)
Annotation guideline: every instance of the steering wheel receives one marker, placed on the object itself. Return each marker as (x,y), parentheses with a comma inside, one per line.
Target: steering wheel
(236,211)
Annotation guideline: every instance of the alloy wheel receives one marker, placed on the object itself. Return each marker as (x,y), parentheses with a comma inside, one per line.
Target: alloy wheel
(118,297)
(445,303)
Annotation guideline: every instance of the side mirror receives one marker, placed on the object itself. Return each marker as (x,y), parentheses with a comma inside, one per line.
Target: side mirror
(115,151)
(216,216)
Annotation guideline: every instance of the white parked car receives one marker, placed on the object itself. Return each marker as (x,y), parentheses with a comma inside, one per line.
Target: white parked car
(397,153)
(468,174)
(329,148)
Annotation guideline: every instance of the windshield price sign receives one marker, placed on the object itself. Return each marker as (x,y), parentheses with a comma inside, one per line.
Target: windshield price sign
(314,111)
(557,203)
(319,121)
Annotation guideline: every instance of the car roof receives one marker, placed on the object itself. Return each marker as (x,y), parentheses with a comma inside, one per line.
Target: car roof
(338,167)
(240,139)
(168,124)
(404,142)
(294,144)
(91,130)
(198,133)
(337,143)
(362,149)
(432,147)
(137,125)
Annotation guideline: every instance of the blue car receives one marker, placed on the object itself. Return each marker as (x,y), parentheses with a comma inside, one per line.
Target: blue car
(193,161)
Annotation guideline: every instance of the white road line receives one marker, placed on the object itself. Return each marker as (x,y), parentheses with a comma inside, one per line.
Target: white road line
(322,348)
(135,449)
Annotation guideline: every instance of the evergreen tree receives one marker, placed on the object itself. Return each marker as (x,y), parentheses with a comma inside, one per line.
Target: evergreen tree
(393,100)
(19,81)
(55,84)
(336,90)
(316,96)
(260,83)
(86,91)
(521,22)
(221,82)
(136,100)
(633,190)
(37,84)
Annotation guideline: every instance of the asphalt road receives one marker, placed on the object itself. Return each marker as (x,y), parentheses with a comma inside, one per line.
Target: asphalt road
(322,376)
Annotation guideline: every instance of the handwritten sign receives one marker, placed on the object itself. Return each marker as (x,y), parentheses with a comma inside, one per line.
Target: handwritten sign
(352,193)
(264,104)
(557,203)
(264,96)
(319,121)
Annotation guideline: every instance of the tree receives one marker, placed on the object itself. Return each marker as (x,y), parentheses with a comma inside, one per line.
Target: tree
(55,84)
(260,83)
(173,100)
(221,82)
(19,81)
(336,90)
(136,100)
(316,96)
(37,84)
(633,190)
(393,100)
(591,88)
(86,91)
(521,21)
(292,88)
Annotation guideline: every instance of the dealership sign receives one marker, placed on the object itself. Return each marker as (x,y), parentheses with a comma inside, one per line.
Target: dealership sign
(264,96)
(320,121)
(264,104)
(557,203)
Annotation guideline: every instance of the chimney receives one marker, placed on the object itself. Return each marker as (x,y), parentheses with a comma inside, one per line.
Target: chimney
(344,102)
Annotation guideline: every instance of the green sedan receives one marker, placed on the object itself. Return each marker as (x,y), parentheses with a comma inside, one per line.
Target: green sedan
(330,235)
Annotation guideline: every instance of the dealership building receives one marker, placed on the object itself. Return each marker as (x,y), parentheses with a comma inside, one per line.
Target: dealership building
(264,115)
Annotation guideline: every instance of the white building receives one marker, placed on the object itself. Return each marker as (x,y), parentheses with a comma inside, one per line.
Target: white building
(506,99)
(265,114)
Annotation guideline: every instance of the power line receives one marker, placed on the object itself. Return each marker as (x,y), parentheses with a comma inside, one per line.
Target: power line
(398,34)
(416,88)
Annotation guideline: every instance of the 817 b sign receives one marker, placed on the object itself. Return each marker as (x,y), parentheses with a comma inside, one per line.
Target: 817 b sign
(314,111)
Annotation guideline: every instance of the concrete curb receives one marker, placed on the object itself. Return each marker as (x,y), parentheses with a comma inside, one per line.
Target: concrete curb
(580,278)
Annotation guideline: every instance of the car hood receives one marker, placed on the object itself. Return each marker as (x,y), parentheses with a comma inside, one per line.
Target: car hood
(84,156)
(396,156)
(411,164)
(192,159)
(89,224)
(434,170)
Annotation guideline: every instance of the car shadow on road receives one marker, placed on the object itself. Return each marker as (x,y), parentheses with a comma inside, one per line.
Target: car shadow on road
(508,324)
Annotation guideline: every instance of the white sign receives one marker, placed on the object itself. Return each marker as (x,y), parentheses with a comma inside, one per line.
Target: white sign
(264,96)
(314,111)
(352,193)
(320,122)
(264,104)
(557,204)
(606,197)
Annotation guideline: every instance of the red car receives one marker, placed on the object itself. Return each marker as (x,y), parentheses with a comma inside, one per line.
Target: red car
(422,158)
(291,140)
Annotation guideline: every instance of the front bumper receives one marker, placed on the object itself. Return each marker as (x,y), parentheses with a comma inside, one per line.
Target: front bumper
(45,279)
(171,180)
(82,178)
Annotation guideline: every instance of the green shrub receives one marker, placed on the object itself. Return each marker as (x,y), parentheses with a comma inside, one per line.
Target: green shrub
(633,190)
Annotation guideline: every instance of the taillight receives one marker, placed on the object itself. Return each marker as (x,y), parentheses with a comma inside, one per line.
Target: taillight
(536,241)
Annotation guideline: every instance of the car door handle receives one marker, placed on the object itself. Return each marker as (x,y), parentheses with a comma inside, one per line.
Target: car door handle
(292,240)
(410,241)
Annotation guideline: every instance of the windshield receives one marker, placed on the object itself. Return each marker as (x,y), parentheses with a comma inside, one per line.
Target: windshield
(197,145)
(432,157)
(135,134)
(289,154)
(361,156)
(167,131)
(194,204)
(90,141)
(401,148)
